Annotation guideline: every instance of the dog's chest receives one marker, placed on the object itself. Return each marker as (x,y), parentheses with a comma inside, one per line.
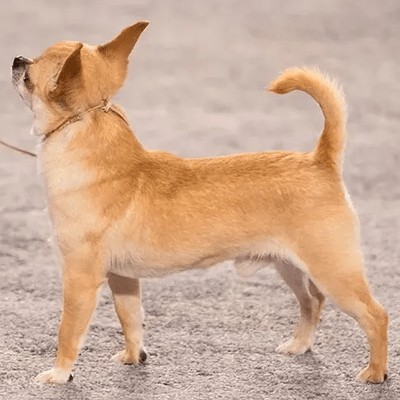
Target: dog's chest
(63,170)
(70,207)
(65,179)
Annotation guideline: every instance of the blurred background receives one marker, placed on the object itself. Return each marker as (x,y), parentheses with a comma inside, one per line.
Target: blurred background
(196,88)
(197,74)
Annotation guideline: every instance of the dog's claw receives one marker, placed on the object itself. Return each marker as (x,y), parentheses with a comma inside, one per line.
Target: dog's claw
(143,356)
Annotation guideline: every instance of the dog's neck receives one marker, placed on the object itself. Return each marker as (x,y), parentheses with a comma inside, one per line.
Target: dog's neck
(105,106)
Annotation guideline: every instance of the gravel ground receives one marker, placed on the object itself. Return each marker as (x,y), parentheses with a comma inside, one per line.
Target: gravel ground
(196,89)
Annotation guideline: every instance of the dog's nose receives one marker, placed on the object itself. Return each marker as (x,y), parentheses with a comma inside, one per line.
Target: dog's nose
(20,62)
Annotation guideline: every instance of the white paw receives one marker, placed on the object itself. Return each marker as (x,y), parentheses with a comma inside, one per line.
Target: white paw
(294,346)
(125,357)
(55,375)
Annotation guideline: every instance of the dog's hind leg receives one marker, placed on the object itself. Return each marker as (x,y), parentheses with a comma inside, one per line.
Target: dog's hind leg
(127,301)
(349,290)
(310,300)
(336,264)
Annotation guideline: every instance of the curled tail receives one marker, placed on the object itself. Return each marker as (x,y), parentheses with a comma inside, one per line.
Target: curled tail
(330,98)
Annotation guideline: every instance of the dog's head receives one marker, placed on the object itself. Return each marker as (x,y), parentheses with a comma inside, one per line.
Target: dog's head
(71,77)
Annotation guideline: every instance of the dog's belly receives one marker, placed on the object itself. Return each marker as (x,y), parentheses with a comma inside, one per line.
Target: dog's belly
(247,260)
(131,269)
(131,265)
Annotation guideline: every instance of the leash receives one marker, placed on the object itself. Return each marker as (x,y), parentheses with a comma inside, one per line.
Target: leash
(29,153)
(105,106)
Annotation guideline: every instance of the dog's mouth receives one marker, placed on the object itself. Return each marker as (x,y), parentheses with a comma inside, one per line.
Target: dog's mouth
(20,71)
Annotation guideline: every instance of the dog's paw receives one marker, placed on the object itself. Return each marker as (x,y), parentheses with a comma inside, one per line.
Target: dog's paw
(129,357)
(55,375)
(372,375)
(293,347)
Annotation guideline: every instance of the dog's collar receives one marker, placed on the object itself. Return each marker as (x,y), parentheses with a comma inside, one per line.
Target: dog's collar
(105,106)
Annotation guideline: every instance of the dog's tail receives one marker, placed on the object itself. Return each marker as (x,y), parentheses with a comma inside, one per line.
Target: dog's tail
(329,96)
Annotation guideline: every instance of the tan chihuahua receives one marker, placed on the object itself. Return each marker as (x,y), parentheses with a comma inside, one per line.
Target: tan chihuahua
(121,213)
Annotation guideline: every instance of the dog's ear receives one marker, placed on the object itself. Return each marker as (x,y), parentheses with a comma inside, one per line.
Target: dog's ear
(70,77)
(121,46)
(116,54)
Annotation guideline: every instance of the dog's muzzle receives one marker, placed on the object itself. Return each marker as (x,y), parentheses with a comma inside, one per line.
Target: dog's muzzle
(20,62)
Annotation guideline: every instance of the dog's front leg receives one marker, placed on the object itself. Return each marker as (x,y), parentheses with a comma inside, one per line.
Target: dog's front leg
(82,279)
(127,301)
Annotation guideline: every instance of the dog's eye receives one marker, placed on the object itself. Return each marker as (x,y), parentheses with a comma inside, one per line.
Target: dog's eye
(27,81)
(26,77)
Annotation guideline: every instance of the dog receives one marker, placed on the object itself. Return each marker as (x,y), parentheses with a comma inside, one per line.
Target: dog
(120,213)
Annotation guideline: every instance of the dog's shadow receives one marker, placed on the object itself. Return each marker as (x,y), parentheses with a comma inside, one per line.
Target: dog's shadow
(310,377)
